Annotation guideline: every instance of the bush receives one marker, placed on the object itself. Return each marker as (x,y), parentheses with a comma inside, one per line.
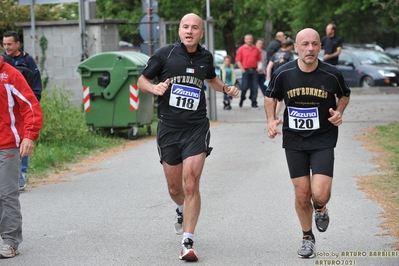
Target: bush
(65,135)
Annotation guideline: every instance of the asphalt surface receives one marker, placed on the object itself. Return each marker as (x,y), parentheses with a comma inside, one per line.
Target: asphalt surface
(118,211)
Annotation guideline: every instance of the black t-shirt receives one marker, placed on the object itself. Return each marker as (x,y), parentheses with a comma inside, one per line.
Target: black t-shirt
(184,103)
(308,98)
(330,46)
(280,58)
(273,47)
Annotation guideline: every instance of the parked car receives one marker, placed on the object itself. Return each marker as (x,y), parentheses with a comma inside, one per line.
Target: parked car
(367,68)
(393,53)
(370,46)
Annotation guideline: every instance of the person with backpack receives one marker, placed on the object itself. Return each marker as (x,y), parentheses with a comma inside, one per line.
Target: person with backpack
(23,62)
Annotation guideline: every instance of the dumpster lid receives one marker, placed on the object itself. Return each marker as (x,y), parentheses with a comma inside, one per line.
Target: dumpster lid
(106,60)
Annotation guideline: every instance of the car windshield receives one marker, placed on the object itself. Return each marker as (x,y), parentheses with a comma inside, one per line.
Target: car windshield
(373,58)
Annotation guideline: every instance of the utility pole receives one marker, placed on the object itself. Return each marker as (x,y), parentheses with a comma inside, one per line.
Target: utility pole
(210,45)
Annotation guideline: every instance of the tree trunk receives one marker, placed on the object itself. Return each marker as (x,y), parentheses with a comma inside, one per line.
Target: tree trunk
(228,40)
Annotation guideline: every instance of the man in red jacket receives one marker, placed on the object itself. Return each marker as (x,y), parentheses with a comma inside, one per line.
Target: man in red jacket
(20,122)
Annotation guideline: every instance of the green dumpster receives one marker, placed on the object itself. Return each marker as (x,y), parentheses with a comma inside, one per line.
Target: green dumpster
(111,98)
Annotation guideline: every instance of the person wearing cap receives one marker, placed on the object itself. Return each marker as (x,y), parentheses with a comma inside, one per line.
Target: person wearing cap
(278,59)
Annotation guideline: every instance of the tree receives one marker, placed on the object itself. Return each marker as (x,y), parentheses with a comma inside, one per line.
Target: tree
(11,12)
(232,18)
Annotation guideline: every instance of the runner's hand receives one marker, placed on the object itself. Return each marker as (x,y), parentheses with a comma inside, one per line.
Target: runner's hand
(232,91)
(336,117)
(272,128)
(160,88)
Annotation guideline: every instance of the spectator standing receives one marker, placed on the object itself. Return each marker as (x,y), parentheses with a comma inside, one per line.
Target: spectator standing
(183,135)
(315,95)
(20,123)
(247,58)
(274,45)
(332,45)
(11,43)
(278,59)
(262,65)
(228,76)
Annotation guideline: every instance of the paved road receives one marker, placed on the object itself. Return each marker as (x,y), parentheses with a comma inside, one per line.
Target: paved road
(118,212)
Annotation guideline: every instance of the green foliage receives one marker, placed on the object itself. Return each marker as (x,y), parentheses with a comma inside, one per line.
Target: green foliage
(358,21)
(388,139)
(131,10)
(64,136)
(11,12)
(43,46)
(56,108)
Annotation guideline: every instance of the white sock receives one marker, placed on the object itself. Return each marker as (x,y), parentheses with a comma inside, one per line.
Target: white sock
(187,235)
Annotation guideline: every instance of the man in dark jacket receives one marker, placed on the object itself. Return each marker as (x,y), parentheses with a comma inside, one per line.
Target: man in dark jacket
(11,43)
(274,45)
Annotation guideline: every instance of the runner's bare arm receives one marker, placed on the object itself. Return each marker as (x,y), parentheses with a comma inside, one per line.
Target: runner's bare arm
(218,85)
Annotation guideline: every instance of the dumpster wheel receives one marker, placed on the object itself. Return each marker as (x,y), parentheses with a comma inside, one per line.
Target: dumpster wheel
(149,130)
(132,133)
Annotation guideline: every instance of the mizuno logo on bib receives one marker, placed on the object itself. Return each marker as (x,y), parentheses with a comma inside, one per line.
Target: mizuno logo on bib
(184,97)
(303,118)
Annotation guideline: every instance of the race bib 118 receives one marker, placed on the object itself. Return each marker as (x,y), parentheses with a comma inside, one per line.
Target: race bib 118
(184,97)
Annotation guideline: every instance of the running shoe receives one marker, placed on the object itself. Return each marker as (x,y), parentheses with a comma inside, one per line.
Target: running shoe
(321,219)
(22,182)
(8,252)
(187,252)
(307,249)
(179,222)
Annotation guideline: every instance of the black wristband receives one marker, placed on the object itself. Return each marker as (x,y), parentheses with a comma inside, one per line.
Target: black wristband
(224,91)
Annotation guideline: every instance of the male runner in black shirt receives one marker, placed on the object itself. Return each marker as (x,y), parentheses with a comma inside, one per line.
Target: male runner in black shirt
(183,129)
(315,95)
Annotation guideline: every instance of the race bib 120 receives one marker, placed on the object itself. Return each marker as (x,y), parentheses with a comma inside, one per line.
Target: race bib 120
(184,97)
(303,118)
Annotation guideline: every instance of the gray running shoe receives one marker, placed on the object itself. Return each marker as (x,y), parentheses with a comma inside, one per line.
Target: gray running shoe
(8,252)
(187,252)
(22,182)
(321,219)
(307,249)
(179,222)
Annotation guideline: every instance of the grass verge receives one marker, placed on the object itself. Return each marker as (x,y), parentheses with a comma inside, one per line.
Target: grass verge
(383,141)
(65,137)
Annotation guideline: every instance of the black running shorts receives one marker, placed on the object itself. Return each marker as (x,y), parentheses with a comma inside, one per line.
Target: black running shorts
(301,163)
(177,144)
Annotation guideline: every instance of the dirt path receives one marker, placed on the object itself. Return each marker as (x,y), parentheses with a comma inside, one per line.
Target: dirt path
(80,167)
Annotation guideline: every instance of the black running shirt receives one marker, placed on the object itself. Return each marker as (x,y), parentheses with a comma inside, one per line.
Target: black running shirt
(183,104)
(308,97)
